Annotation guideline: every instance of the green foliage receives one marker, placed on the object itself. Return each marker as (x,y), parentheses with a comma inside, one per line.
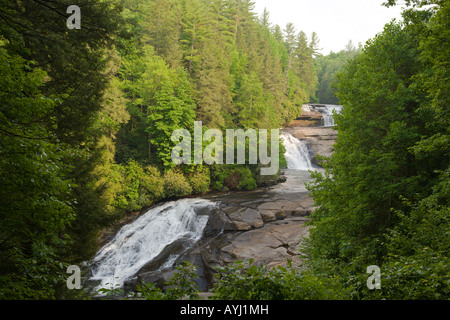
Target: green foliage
(141,186)
(232,177)
(414,3)
(247,180)
(35,199)
(247,281)
(51,155)
(159,101)
(384,196)
(328,66)
(176,185)
(200,180)
(151,186)
(419,248)
(113,291)
(182,284)
(213,58)
(149,291)
(87,115)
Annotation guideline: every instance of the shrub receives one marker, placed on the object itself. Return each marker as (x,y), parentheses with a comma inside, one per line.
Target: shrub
(141,187)
(149,291)
(200,180)
(232,181)
(247,181)
(151,186)
(176,185)
(232,177)
(182,284)
(246,281)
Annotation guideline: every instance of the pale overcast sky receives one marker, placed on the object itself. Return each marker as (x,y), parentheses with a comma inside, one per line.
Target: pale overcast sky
(335,21)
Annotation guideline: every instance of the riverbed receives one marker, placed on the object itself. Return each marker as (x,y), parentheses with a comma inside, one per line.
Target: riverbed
(266,225)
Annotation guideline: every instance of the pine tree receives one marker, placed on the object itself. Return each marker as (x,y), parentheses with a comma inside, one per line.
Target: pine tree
(314,45)
(162,27)
(265,19)
(289,40)
(304,64)
(251,102)
(195,30)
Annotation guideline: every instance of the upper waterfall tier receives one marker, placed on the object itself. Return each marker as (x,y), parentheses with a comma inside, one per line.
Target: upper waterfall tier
(327,111)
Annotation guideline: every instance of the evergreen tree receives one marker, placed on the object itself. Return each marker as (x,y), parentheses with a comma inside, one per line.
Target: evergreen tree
(161,22)
(304,64)
(265,19)
(196,30)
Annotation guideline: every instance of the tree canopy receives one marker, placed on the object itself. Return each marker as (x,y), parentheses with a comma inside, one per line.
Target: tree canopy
(87,114)
(384,196)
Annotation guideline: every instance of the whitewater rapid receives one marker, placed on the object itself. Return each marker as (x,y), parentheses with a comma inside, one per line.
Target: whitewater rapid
(328,112)
(138,243)
(297,153)
(141,241)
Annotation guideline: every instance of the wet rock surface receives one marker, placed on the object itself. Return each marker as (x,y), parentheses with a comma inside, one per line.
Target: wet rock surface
(320,139)
(264,225)
(267,225)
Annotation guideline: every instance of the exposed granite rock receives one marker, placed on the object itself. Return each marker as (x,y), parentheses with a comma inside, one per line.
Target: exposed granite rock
(246,219)
(271,245)
(320,139)
(266,225)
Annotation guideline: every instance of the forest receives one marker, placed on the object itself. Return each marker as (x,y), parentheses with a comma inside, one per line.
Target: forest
(86,117)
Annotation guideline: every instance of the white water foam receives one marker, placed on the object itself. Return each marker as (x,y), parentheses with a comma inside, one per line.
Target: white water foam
(138,243)
(327,112)
(297,153)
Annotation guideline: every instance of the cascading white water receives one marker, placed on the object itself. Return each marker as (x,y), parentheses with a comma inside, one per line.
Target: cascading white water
(297,153)
(138,243)
(327,112)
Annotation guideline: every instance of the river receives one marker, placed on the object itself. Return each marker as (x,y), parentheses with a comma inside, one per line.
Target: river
(266,225)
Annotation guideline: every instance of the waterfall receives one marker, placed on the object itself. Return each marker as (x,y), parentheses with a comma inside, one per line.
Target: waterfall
(327,112)
(297,153)
(152,237)
(138,243)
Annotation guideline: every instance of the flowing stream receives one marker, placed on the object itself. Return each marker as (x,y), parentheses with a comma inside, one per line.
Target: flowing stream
(327,111)
(297,153)
(141,241)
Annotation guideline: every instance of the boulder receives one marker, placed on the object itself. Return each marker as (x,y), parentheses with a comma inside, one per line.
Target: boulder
(218,222)
(159,277)
(271,245)
(280,215)
(320,139)
(268,215)
(302,212)
(246,219)
(175,248)
(308,118)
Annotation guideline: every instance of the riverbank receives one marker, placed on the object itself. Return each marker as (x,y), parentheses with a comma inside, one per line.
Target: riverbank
(266,225)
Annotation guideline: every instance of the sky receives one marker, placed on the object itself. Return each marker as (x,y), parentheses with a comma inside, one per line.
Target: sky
(335,21)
